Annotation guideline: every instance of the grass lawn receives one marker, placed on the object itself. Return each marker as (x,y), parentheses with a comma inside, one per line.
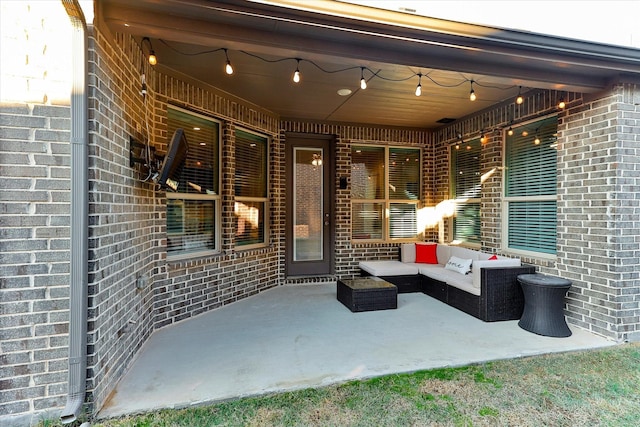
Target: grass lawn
(589,388)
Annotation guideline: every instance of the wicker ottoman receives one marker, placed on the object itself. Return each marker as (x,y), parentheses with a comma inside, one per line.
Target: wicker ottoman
(367,294)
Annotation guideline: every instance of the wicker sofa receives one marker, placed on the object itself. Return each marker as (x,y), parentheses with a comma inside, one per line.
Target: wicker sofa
(489,291)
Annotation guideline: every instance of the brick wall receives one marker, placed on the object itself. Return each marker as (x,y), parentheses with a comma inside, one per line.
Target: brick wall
(34,260)
(599,231)
(34,209)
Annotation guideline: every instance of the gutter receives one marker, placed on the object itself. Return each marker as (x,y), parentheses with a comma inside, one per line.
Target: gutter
(79,217)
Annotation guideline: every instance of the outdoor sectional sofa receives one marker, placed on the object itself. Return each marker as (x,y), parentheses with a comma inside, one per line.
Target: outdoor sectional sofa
(488,291)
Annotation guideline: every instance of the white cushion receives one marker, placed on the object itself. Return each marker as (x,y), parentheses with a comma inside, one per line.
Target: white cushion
(388,268)
(408,252)
(443,252)
(464,253)
(459,265)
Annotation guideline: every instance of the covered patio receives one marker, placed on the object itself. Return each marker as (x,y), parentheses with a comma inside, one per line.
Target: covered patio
(294,337)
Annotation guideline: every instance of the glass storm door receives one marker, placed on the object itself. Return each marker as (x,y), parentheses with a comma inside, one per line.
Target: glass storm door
(309,243)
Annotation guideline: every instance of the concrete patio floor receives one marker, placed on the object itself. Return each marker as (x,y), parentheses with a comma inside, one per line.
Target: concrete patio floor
(294,337)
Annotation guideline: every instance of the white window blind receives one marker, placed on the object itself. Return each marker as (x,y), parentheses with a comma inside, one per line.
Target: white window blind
(531,187)
(251,188)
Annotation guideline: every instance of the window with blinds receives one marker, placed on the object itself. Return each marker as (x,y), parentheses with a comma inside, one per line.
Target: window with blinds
(385,192)
(193,210)
(531,187)
(466,189)
(251,189)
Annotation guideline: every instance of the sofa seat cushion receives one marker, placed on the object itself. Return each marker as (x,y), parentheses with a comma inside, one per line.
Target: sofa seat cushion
(388,268)
(451,278)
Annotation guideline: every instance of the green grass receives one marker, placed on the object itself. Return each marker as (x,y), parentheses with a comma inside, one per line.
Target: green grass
(590,388)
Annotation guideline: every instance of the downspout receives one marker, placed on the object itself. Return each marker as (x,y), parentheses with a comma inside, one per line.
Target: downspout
(79,217)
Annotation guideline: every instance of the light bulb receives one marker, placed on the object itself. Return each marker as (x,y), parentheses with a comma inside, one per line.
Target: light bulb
(227,68)
(510,131)
(419,90)
(536,141)
(296,76)
(483,139)
(561,104)
(519,98)
(472,95)
(525,133)
(152,58)
(363,84)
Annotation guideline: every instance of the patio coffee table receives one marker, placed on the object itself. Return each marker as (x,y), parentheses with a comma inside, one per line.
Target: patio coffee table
(367,294)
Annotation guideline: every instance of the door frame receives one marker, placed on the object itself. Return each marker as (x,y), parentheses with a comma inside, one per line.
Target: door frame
(310,268)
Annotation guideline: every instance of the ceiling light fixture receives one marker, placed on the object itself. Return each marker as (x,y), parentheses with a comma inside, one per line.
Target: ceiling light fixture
(419,87)
(363,82)
(296,74)
(472,94)
(227,68)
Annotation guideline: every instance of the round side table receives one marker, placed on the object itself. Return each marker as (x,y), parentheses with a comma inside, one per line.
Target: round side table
(544,305)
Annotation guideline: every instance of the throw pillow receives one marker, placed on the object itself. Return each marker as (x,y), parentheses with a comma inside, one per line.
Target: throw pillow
(426,253)
(493,257)
(459,265)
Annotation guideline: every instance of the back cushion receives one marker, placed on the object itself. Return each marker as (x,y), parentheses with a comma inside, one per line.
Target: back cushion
(444,253)
(426,253)
(408,252)
(464,253)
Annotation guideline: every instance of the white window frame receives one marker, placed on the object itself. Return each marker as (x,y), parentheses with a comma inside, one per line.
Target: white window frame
(265,200)
(507,200)
(387,201)
(217,220)
(453,173)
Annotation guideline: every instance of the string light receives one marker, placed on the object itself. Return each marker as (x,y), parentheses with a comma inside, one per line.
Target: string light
(537,140)
(519,98)
(153,60)
(228,68)
(561,104)
(510,131)
(296,74)
(419,87)
(472,94)
(363,82)
(483,138)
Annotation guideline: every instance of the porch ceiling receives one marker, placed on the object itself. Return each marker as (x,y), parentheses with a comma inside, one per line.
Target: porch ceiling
(330,36)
